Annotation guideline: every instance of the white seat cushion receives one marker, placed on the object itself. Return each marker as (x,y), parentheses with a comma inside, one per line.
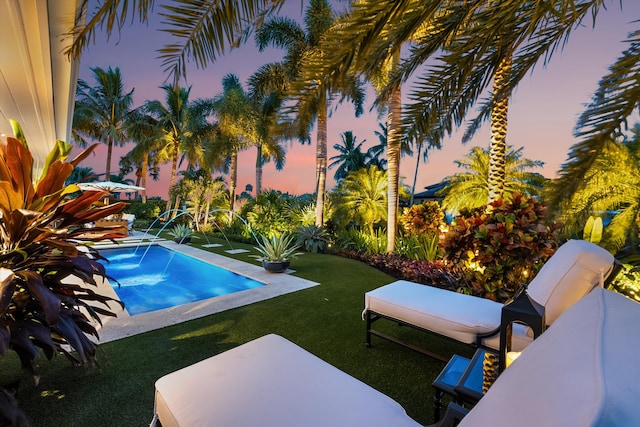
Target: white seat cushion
(582,371)
(448,313)
(271,382)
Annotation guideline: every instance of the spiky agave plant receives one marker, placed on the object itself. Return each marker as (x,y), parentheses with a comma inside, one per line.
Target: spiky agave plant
(48,297)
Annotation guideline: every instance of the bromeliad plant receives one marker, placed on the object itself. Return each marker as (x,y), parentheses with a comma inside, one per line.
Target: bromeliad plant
(277,248)
(47,274)
(182,233)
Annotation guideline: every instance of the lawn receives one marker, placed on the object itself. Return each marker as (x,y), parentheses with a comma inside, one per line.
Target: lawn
(325,320)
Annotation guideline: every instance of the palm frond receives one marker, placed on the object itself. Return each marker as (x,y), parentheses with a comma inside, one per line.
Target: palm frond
(110,14)
(206,29)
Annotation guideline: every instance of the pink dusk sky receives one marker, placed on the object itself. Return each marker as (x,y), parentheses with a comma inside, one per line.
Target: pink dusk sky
(542,111)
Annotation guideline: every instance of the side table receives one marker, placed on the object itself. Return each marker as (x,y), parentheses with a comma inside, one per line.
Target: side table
(462,379)
(447,380)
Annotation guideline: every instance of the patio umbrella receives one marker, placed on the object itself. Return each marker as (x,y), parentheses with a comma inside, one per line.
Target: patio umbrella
(110,186)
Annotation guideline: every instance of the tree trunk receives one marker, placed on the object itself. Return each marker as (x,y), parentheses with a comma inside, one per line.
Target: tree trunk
(259,169)
(321,162)
(207,207)
(174,170)
(233,177)
(498,147)
(107,172)
(143,177)
(394,143)
(176,207)
(415,173)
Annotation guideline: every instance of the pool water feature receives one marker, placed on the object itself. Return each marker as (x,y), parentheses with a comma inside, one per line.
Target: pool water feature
(167,278)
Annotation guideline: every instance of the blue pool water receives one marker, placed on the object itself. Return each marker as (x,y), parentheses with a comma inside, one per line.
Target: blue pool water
(167,278)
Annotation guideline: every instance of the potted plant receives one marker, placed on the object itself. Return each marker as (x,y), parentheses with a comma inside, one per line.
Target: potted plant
(181,233)
(43,245)
(276,252)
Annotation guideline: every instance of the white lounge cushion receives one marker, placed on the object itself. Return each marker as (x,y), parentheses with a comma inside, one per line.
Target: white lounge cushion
(271,382)
(448,313)
(572,272)
(582,371)
(452,314)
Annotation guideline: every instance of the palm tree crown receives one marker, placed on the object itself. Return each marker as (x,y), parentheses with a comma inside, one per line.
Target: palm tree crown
(470,189)
(350,156)
(103,111)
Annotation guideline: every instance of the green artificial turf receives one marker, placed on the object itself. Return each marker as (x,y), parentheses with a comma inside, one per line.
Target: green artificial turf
(325,320)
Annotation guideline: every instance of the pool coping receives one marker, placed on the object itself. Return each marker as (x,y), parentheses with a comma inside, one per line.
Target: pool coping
(125,325)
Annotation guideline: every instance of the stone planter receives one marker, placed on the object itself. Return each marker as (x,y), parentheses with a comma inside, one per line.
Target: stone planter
(181,240)
(275,266)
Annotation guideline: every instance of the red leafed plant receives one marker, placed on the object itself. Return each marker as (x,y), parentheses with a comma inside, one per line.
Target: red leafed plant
(41,249)
(493,253)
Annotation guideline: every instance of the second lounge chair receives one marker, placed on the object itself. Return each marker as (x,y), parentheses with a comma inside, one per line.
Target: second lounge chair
(573,271)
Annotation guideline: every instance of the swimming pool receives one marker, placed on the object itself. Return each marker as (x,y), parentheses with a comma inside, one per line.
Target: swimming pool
(167,278)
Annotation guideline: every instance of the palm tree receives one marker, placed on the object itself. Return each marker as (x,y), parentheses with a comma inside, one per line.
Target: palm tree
(267,90)
(375,152)
(236,130)
(182,124)
(201,30)
(147,154)
(287,34)
(470,189)
(611,184)
(103,111)
(350,156)
(364,196)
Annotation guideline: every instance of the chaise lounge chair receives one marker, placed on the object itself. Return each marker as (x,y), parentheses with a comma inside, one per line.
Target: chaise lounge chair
(582,371)
(575,269)
(271,382)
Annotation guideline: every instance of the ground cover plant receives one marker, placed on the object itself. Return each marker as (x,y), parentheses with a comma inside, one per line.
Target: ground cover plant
(324,320)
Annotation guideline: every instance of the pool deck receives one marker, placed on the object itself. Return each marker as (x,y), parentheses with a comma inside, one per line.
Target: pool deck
(125,325)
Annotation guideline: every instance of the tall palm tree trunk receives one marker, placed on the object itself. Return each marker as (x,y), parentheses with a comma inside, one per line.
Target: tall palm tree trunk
(174,171)
(107,172)
(394,144)
(415,173)
(498,147)
(321,162)
(233,177)
(143,177)
(259,169)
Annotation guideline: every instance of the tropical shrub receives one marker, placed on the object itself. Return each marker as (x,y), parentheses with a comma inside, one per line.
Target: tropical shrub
(235,230)
(42,238)
(362,199)
(627,282)
(424,246)
(593,230)
(269,213)
(610,184)
(492,253)
(358,240)
(422,218)
(434,273)
(146,211)
(313,238)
